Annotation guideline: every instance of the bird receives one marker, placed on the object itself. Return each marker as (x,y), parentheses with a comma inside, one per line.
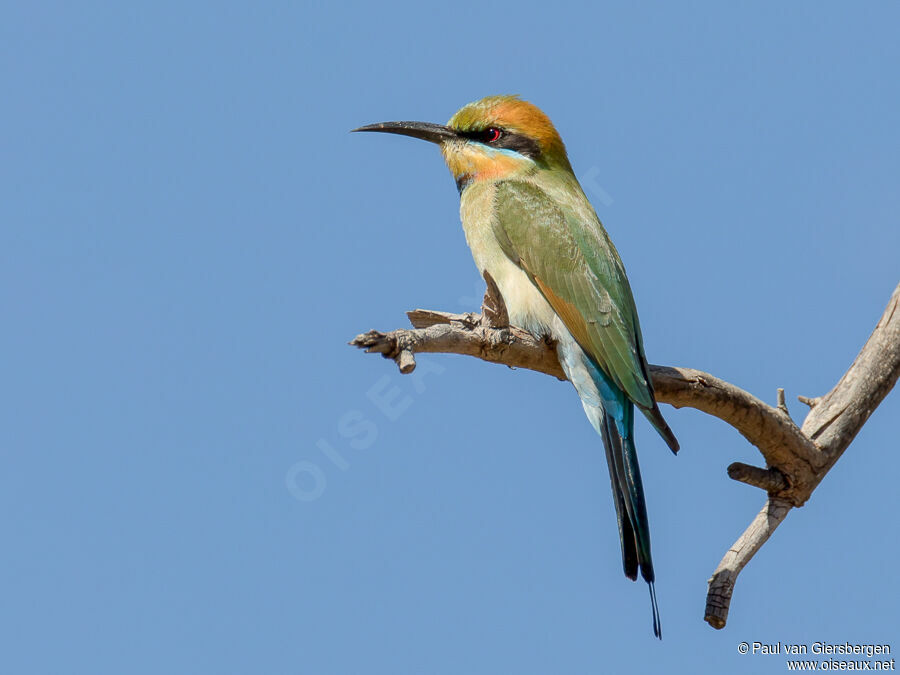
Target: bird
(532,229)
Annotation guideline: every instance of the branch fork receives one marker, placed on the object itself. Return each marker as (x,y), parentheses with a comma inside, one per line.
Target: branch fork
(797,458)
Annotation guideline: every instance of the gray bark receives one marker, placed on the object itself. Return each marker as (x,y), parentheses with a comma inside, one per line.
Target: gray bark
(796,458)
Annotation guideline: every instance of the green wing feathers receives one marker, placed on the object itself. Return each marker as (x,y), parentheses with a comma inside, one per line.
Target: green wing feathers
(569,256)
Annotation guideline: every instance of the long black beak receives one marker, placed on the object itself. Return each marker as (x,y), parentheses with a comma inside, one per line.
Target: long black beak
(436,133)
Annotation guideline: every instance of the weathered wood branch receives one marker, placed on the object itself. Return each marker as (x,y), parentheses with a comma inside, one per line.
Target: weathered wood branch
(770,480)
(832,423)
(797,458)
(773,432)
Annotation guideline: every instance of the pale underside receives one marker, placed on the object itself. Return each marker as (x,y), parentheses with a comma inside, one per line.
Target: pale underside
(526,305)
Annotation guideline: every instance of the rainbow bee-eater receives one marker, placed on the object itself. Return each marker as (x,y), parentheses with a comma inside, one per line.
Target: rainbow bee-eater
(532,229)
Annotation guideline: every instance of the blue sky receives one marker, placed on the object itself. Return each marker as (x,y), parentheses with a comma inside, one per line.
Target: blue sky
(190,237)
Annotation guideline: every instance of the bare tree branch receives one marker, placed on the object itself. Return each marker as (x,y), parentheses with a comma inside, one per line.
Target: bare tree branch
(796,458)
(770,480)
(832,423)
(721,585)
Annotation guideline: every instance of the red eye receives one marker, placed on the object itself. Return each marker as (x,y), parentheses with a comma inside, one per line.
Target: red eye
(492,135)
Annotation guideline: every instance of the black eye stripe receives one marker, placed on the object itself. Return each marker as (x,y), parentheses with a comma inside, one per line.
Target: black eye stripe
(508,140)
(519,143)
(486,136)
